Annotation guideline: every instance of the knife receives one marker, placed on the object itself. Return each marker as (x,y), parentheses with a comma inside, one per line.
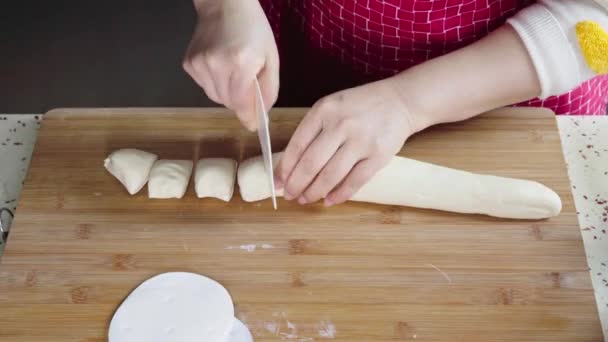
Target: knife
(264,136)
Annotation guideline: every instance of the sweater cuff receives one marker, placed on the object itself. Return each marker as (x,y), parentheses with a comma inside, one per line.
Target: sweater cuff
(549,48)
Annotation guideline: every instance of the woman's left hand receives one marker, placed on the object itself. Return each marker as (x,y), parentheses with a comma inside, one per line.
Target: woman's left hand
(342,142)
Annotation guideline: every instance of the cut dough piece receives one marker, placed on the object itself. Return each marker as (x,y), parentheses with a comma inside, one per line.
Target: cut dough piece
(409,182)
(131,167)
(239,333)
(169,178)
(215,177)
(252,179)
(175,306)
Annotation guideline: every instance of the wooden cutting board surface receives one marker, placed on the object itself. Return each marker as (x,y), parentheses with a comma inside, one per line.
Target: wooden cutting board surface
(355,272)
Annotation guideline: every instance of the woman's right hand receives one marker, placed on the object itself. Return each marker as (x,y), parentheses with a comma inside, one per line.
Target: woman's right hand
(233,44)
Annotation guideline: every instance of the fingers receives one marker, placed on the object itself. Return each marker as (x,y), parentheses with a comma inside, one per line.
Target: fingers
(245,65)
(242,92)
(307,131)
(333,173)
(228,78)
(232,44)
(197,69)
(316,156)
(361,174)
(220,75)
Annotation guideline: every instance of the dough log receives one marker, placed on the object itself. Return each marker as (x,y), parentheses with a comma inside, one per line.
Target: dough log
(408,182)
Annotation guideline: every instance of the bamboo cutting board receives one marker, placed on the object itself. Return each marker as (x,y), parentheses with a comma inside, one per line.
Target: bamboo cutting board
(356,272)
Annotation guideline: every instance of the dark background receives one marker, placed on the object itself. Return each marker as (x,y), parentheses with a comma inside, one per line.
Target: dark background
(125,53)
(103,53)
(122,53)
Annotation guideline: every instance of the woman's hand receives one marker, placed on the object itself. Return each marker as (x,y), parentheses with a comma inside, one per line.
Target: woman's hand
(231,46)
(348,136)
(342,142)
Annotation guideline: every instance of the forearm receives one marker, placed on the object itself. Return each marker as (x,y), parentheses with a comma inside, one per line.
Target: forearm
(493,72)
(541,52)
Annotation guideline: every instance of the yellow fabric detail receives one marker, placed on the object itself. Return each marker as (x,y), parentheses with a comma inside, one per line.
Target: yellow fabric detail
(593,40)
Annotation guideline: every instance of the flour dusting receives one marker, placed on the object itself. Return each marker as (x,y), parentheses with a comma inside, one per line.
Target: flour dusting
(250,247)
(288,336)
(271,327)
(327,329)
(288,331)
(293,330)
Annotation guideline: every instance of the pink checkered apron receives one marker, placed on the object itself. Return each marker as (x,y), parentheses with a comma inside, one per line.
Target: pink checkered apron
(328,45)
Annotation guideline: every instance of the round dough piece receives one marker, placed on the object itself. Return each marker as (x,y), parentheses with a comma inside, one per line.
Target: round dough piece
(131,167)
(169,178)
(176,306)
(214,177)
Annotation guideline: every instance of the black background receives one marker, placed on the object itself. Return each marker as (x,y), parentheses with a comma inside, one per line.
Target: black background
(104,53)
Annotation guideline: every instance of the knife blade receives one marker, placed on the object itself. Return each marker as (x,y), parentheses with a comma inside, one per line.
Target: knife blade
(264,136)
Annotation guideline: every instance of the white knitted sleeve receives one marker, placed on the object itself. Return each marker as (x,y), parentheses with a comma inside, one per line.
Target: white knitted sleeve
(548,30)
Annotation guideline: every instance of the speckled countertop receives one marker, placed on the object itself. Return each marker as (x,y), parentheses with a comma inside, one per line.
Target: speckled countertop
(17,138)
(585,143)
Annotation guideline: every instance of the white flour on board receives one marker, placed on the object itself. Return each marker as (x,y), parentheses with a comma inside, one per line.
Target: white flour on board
(288,331)
(293,330)
(251,247)
(288,336)
(291,326)
(327,329)
(271,327)
(248,248)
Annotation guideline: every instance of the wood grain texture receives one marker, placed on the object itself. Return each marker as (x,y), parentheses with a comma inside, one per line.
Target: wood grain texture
(356,272)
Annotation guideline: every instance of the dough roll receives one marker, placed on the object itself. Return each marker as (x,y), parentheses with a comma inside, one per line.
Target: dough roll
(412,183)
